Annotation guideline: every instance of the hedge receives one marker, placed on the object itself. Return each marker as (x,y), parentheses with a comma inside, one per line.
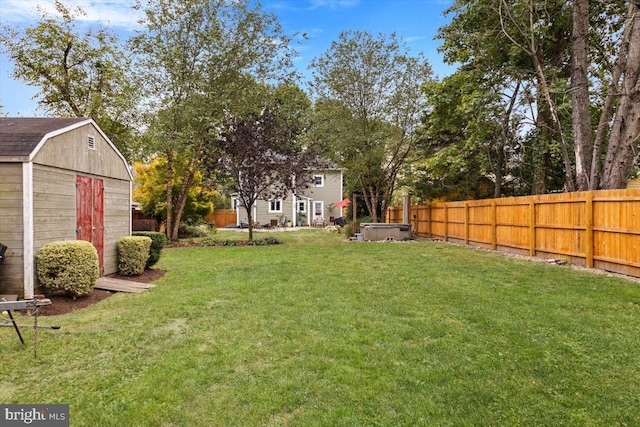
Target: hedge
(68,267)
(133,253)
(158,240)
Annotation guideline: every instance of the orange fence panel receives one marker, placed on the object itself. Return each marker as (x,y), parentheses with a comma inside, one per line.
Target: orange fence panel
(599,229)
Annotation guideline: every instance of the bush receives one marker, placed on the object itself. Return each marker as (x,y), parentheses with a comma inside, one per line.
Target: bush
(68,268)
(348,230)
(133,253)
(158,240)
(209,241)
(185,231)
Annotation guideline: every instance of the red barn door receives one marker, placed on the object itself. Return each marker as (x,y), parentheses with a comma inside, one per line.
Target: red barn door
(90,213)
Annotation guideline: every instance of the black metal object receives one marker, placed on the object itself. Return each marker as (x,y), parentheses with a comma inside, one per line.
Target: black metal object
(32,304)
(341,221)
(3,249)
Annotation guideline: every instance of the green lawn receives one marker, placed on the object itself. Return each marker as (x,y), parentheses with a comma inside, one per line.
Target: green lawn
(320,331)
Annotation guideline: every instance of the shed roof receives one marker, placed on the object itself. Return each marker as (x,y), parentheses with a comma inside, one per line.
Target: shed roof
(20,136)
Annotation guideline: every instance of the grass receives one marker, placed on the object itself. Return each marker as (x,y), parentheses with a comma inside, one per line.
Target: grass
(319,331)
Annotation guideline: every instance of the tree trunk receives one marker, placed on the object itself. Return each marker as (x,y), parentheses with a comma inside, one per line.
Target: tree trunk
(182,200)
(185,187)
(580,117)
(499,164)
(607,110)
(169,225)
(544,86)
(250,220)
(625,131)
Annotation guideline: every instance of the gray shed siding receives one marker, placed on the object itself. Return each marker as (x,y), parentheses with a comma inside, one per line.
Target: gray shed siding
(11,272)
(50,180)
(70,151)
(54,210)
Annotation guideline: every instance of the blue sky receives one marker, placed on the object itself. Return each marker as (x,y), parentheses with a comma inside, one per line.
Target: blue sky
(415,21)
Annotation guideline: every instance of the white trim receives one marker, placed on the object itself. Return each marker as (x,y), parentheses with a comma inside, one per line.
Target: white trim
(91,142)
(27,230)
(294,214)
(313,210)
(130,210)
(269,210)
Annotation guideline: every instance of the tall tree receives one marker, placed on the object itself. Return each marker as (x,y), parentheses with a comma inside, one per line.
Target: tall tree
(624,140)
(150,191)
(199,61)
(260,154)
(78,74)
(547,42)
(469,138)
(368,90)
(581,117)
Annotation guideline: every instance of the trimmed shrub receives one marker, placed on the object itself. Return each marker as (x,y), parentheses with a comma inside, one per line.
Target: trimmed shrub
(185,231)
(68,268)
(158,240)
(133,253)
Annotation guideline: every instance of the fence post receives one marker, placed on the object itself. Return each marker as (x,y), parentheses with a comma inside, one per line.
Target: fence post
(466,223)
(589,230)
(494,226)
(532,226)
(429,233)
(446,223)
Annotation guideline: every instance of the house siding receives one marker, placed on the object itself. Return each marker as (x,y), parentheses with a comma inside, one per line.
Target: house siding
(11,226)
(329,193)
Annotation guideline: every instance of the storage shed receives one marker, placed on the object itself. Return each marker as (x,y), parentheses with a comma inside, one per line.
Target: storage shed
(60,179)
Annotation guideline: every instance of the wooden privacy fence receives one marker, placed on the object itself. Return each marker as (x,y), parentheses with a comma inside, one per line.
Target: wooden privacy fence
(222,217)
(599,229)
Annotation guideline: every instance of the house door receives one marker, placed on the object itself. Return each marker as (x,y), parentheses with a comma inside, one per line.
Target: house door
(318,208)
(90,213)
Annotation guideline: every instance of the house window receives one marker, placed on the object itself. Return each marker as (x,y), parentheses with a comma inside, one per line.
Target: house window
(302,206)
(318,180)
(91,142)
(275,205)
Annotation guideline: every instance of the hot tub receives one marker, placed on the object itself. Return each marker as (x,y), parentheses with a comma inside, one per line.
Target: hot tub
(376,231)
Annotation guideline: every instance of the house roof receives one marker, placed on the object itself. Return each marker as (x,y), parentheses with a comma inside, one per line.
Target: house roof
(20,136)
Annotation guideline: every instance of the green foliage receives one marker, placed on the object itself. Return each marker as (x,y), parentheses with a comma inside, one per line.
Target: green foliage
(369,105)
(68,268)
(209,241)
(260,154)
(158,240)
(187,231)
(133,253)
(199,61)
(77,74)
(151,191)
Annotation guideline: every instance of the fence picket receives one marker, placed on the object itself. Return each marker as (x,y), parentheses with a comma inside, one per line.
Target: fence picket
(598,229)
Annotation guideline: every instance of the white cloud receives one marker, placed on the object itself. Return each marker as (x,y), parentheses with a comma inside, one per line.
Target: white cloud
(113,13)
(333,4)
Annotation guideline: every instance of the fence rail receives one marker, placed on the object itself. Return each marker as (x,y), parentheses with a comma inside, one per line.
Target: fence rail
(599,229)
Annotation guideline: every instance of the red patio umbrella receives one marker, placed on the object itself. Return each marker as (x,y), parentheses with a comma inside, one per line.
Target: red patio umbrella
(342,203)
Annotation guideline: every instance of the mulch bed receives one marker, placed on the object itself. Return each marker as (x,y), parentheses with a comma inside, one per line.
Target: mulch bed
(65,304)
